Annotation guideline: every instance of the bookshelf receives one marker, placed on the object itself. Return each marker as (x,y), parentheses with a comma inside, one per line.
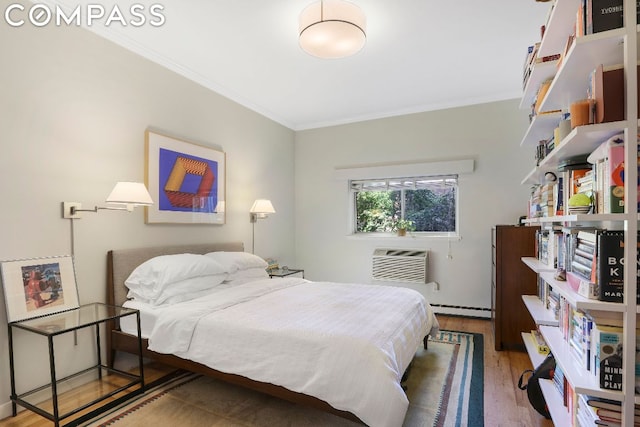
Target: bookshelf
(582,139)
(569,84)
(539,313)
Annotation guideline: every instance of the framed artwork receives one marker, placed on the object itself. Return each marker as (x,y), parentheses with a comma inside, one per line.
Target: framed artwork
(185,180)
(38,286)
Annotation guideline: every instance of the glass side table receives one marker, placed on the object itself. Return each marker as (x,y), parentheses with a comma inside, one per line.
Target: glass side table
(280,272)
(50,326)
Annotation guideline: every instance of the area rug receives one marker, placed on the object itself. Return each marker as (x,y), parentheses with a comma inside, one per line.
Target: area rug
(444,387)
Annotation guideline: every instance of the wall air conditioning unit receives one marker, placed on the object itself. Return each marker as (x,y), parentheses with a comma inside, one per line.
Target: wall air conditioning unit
(400,265)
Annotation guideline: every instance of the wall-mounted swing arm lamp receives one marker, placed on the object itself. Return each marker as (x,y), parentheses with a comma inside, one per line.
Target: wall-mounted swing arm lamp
(260,210)
(125,196)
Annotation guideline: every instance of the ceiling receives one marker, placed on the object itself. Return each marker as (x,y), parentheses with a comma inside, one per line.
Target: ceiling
(420,55)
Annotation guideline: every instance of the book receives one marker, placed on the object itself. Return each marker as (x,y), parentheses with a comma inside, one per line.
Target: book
(538,342)
(607,423)
(581,275)
(605,15)
(616,178)
(610,269)
(608,358)
(608,91)
(613,407)
(609,415)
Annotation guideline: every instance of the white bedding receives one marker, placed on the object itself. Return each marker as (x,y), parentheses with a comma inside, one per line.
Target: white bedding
(345,344)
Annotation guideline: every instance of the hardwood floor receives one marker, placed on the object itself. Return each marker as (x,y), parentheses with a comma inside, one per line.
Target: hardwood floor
(505,405)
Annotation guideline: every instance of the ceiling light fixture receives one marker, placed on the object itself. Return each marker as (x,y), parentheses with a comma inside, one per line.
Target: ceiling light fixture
(332,29)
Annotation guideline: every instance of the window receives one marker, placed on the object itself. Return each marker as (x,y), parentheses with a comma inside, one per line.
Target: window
(430,202)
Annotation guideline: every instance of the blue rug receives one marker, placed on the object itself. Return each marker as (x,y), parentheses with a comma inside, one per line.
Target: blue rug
(446,383)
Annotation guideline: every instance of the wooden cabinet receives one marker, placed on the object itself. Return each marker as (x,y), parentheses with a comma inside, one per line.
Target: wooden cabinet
(510,279)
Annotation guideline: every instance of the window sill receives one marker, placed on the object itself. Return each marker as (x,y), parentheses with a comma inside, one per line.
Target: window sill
(409,236)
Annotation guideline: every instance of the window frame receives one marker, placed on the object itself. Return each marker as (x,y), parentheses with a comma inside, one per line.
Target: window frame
(352,191)
(459,166)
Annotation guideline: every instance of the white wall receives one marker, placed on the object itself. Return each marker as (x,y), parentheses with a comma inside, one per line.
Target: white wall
(73,111)
(488,133)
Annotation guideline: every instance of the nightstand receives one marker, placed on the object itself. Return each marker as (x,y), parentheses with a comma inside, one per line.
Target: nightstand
(120,383)
(283,273)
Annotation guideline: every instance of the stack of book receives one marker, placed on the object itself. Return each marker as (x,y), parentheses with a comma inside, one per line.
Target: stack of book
(581,276)
(604,412)
(570,171)
(549,244)
(535,207)
(584,185)
(553,302)
(560,382)
(544,201)
(579,338)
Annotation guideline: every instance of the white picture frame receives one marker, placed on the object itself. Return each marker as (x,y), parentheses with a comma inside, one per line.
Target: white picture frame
(186,181)
(39,286)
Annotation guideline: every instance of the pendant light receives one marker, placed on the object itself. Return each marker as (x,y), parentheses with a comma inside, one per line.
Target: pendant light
(332,29)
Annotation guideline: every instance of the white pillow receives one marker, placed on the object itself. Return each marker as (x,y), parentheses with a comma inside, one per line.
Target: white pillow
(184,290)
(235,261)
(246,275)
(151,278)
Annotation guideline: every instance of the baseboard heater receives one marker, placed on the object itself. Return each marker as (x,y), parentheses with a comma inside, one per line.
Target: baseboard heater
(461,307)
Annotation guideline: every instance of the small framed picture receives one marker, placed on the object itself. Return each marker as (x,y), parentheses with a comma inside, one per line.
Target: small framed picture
(38,286)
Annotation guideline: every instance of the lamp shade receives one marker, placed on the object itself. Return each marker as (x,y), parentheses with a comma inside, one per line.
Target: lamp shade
(332,29)
(130,193)
(262,206)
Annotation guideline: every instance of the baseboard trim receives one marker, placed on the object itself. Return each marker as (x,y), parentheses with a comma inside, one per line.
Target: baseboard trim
(5,410)
(457,310)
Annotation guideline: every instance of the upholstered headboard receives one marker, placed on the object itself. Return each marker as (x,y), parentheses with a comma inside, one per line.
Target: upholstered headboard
(121,262)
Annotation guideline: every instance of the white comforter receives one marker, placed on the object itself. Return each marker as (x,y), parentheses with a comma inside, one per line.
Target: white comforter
(345,344)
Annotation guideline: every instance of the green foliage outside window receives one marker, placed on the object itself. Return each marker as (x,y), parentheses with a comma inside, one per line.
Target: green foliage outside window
(431,210)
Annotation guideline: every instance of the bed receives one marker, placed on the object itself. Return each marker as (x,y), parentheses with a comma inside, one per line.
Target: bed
(333,346)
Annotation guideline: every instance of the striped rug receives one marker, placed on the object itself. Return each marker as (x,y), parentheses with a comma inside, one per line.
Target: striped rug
(444,387)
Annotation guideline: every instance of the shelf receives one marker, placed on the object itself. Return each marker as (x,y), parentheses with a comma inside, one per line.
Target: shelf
(581,140)
(558,27)
(536,265)
(559,412)
(557,30)
(584,218)
(540,315)
(586,53)
(577,300)
(541,128)
(541,71)
(583,381)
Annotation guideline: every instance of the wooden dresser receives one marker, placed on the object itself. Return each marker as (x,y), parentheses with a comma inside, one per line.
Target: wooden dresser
(510,279)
